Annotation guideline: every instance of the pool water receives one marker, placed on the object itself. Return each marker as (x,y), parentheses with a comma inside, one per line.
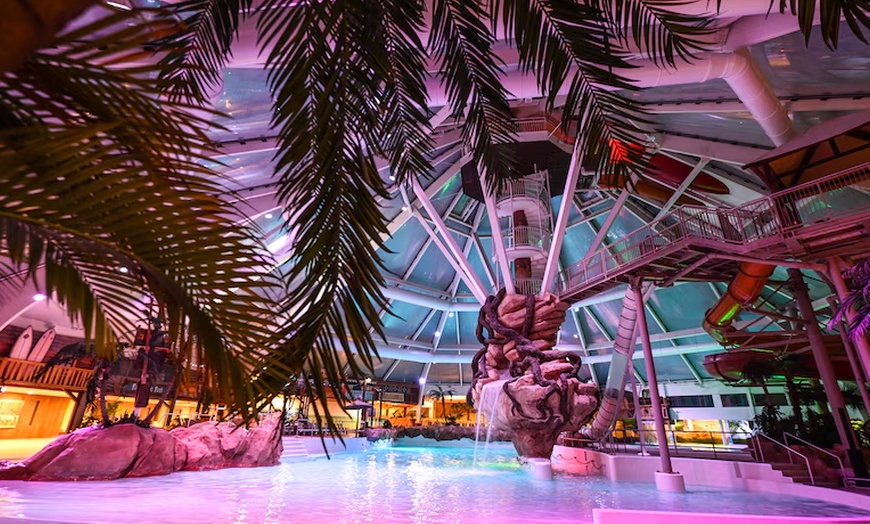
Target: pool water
(399,484)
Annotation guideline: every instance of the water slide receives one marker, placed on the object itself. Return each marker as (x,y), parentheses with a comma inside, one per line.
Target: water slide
(623,347)
(744,290)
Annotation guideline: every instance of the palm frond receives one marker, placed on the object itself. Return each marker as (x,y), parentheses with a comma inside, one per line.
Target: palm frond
(345,75)
(565,43)
(470,72)
(830,13)
(661,34)
(113,181)
(197,51)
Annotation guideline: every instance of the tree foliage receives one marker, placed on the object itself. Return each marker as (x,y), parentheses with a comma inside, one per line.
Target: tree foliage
(104,147)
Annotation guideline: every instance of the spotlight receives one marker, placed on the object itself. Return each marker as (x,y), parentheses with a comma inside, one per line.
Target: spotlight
(39,297)
(422,381)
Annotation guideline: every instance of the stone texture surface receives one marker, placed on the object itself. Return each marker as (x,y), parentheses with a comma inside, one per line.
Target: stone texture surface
(126,450)
(437,432)
(534,411)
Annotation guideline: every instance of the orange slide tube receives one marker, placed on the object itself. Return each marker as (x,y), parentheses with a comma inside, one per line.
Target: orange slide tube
(743,291)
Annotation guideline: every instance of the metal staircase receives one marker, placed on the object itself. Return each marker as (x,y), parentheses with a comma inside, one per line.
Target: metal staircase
(826,217)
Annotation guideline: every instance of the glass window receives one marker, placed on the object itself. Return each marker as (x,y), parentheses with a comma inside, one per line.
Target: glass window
(778,399)
(735,400)
(691,401)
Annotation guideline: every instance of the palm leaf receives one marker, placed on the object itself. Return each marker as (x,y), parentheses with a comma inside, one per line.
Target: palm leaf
(345,75)
(470,72)
(198,50)
(830,12)
(661,34)
(565,43)
(112,180)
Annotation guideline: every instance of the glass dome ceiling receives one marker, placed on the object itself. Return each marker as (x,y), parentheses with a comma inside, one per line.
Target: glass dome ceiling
(433,312)
(430,329)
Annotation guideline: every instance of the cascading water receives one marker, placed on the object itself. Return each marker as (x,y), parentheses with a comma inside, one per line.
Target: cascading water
(489,400)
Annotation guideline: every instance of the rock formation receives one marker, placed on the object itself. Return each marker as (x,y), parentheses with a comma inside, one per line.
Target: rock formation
(538,394)
(437,432)
(127,450)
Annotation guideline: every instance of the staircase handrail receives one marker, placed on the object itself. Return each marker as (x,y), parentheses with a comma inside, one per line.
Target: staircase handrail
(759,219)
(786,435)
(795,452)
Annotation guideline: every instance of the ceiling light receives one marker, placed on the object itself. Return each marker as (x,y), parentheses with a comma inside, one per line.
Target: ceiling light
(422,380)
(437,333)
(39,297)
(118,5)
(392,177)
(450,314)
(269,215)
(123,269)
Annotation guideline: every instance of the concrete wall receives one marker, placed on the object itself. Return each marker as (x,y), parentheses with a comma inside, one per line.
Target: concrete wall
(736,475)
(623,516)
(314,446)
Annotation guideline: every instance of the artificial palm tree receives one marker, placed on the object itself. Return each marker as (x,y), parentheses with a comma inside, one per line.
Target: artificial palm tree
(348,81)
(789,365)
(439,393)
(106,206)
(858,298)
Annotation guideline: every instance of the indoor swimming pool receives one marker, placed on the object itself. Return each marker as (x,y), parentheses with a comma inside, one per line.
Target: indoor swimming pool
(398,484)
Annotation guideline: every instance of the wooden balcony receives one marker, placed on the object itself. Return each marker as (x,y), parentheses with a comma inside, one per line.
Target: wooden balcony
(14,372)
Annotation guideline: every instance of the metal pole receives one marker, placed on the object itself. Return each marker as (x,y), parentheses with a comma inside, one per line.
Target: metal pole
(652,382)
(637,413)
(820,353)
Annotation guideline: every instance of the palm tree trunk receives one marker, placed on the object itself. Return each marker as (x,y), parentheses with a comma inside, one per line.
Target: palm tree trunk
(791,387)
(102,373)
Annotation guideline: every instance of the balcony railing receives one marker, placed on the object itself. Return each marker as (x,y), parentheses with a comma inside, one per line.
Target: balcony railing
(527,236)
(769,217)
(531,186)
(14,372)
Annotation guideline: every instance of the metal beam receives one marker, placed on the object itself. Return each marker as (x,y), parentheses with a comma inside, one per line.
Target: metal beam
(562,219)
(730,153)
(449,253)
(611,217)
(682,187)
(497,238)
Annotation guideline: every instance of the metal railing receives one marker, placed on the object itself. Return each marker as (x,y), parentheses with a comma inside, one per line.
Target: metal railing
(527,286)
(15,372)
(817,449)
(790,451)
(769,217)
(527,236)
(543,123)
(531,186)
(721,444)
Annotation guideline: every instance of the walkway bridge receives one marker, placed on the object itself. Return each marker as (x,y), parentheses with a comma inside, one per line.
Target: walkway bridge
(826,217)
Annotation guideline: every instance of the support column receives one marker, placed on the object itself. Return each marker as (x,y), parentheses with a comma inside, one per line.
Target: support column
(820,355)
(666,479)
(81,404)
(422,382)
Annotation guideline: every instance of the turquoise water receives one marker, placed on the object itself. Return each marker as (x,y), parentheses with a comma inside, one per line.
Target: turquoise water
(402,484)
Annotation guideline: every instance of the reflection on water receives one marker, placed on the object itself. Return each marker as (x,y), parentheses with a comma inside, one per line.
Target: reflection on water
(419,485)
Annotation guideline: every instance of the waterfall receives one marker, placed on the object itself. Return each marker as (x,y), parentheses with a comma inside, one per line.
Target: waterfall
(487,403)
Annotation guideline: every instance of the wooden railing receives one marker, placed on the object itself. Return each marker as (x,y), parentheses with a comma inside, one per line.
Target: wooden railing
(14,372)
